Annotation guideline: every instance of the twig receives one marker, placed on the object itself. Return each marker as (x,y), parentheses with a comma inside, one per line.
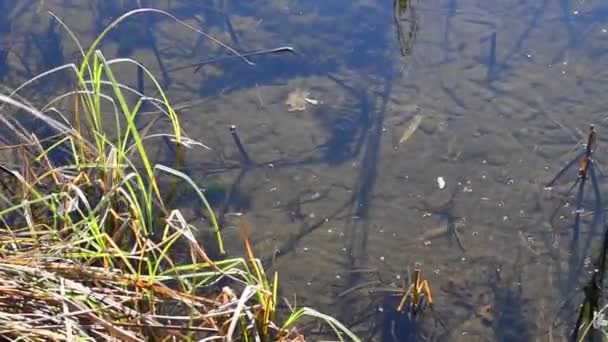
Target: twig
(239,145)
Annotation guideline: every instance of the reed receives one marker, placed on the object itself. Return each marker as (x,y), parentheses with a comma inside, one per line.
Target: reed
(89,247)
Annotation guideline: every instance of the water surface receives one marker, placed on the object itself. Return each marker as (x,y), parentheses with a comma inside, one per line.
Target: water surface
(335,204)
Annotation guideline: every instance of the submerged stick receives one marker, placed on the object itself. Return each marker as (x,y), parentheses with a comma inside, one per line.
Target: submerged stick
(411,129)
(239,145)
(583,158)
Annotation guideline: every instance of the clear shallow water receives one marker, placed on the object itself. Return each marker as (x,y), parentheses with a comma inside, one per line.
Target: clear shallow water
(505,89)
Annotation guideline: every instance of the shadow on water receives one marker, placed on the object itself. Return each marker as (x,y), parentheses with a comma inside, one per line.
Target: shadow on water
(511,322)
(345,144)
(577,176)
(276,69)
(391,315)
(6,40)
(594,299)
(133,33)
(406,25)
(136,32)
(537,13)
(49,46)
(397,326)
(495,298)
(497,65)
(347,132)
(583,169)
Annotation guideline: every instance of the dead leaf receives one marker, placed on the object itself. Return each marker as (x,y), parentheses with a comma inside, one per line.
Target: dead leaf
(296,100)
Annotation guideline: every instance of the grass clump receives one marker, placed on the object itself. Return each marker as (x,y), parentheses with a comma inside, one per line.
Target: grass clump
(89,250)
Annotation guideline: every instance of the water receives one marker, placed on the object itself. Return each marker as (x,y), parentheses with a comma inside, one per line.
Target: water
(336,205)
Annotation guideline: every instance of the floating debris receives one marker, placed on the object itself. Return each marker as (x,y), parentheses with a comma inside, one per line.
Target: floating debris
(298,99)
(486,313)
(441,183)
(312,101)
(411,129)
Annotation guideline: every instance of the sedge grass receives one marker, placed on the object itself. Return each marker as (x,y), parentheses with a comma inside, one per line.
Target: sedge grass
(89,250)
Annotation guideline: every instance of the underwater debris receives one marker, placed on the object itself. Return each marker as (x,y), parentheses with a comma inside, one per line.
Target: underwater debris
(411,129)
(298,99)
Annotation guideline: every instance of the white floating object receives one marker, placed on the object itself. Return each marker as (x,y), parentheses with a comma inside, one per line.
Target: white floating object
(441,182)
(312,101)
